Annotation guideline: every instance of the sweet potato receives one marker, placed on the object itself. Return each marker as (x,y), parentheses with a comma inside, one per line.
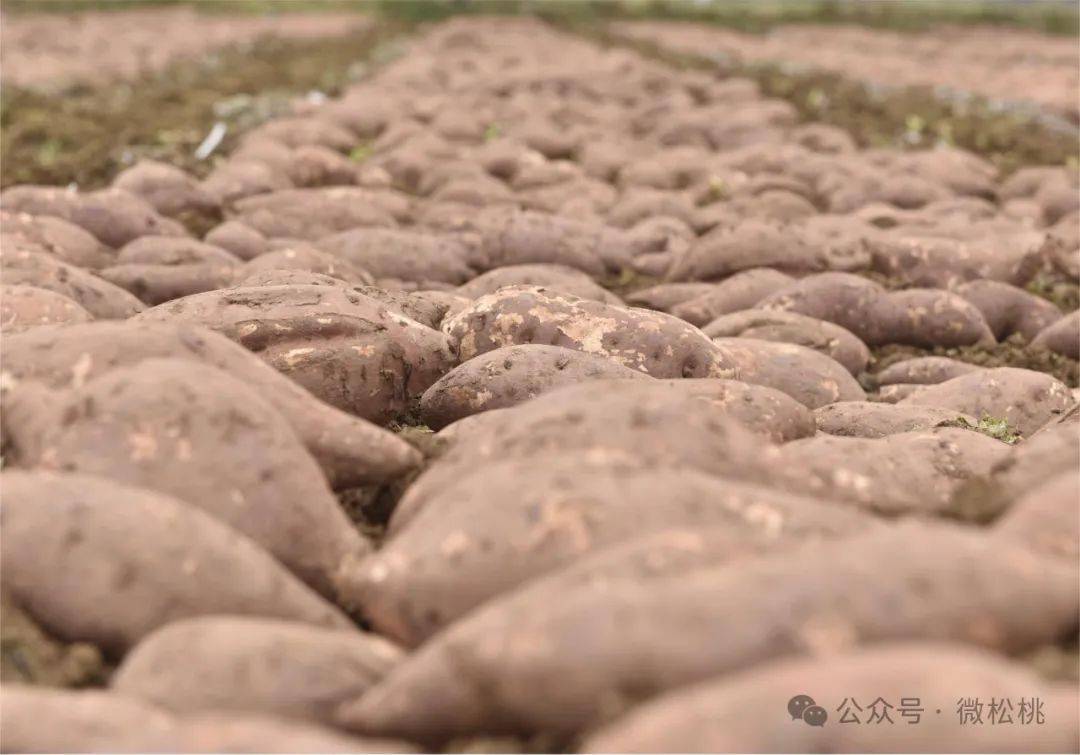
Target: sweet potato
(560,278)
(923,371)
(350,450)
(1025,399)
(161,268)
(406,254)
(305,257)
(51,235)
(1046,518)
(920,682)
(199,435)
(248,664)
(711,425)
(759,243)
(667,295)
(510,375)
(903,473)
(310,214)
(40,720)
(99,297)
(651,342)
(1061,337)
(865,419)
(314,165)
(239,178)
(743,290)
(143,559)
(828,338)
(808,376)
(113,216)
(243,241)
(509,522)
(348,349)
(918,317)
(25,307)
(169,190)
(300,131)
(1008,309)
(934,262)
(595,651)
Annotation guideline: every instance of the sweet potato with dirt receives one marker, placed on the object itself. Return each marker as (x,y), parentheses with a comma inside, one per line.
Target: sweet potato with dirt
(916,316)
(41,720)
(651,342)
(25,307)
(597,651)
(348,349)
(717,426)
(1046,518)
(808,376)
(903,473)
(170,191)
(665,296)
(302,256)
(50,235)
(102,299)
(743,712)
(871,419)
(567,280)
(248,664)
(398,253)
(142,558)
(510,522)
(300,131)
(743,290)
(197,434)
(828,338)
(935,262)
(161,268)
(1061,337)
(243,241)
(924,371)
(511,375)
(350,450)
(1008,309)
(1025,399)
(757,243)
(310,214)
(239,178)
(113,216)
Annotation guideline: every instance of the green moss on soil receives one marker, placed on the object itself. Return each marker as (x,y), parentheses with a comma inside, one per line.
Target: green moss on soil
(88,135)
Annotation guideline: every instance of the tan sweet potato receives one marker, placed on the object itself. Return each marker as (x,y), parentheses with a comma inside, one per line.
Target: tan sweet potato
(665,296)
(743,290)
(350,450)
(99,297)
(308,258)
(865,419)
(113,216)
(1061,337)
(924,371)
(789,327)
(1025,399)
(42,720)
(560,278)
(169,190)
(1046,518)
(651,342)
(921,683)
(199,435)
(918,317)
(226,663)
(511,521)
(808,376)
(52,235)
(233,236)
(143,559)
(25,307)
(924,258)
(346,348)
(406,254)
(310,214)
(594,652)
(903,473)
(1008,309)
(510,375)
(239,178)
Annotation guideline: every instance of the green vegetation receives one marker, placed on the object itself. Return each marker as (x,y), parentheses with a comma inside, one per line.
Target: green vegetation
(993,427)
